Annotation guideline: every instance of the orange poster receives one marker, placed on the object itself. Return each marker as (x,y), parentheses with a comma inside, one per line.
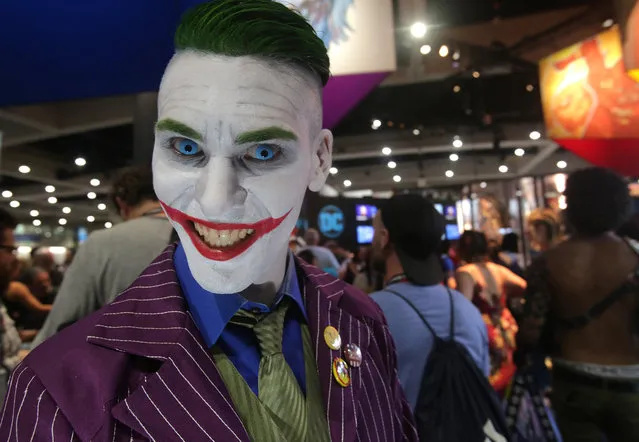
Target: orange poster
(587,93)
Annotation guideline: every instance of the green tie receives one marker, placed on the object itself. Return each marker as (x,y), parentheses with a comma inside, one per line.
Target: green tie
(278,389)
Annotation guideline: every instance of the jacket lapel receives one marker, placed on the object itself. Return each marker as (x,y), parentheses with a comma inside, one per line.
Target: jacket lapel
(185,399)
(322,294)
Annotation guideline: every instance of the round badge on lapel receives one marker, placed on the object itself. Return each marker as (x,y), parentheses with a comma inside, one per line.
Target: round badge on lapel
(341,372)
(353,355)
(332,338)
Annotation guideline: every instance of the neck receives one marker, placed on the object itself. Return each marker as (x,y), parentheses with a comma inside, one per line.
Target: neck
(393,267)
(266,292)
(143,208)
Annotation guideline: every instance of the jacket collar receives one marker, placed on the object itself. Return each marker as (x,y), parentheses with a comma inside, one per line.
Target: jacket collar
(187,397)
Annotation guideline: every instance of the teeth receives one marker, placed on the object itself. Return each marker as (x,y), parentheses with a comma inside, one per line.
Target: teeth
(222,238)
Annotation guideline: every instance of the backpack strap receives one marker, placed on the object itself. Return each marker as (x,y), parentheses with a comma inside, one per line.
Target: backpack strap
(426,323)
(414,307)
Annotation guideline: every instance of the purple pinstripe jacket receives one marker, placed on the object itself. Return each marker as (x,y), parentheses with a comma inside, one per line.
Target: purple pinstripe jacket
(139,370)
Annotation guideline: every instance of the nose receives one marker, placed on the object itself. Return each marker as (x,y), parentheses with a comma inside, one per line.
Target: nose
(218,189)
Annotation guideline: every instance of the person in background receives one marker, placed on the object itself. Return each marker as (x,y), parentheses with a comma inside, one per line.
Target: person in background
(543,231)
(408,231)
(582,309)
(308,257)
(489,286)
(296,243)
(110,260)
(12,353)
(25,300)
(325,258)
(508,254)
(448,266)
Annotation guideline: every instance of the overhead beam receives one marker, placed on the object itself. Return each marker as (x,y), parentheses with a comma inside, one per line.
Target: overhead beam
(544,153)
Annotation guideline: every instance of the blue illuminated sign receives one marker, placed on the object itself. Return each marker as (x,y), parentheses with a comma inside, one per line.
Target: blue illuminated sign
(331,221)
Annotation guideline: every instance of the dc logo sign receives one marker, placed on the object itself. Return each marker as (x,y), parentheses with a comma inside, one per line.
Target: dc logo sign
(331,221)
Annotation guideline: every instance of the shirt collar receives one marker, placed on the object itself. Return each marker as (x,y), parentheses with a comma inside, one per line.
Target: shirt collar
(212,311)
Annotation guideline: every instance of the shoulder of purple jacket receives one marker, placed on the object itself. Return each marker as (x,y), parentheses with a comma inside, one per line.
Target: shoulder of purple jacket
(341,295)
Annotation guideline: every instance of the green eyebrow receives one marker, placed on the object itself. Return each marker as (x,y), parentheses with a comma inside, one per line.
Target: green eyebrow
(268,133)
(171,125)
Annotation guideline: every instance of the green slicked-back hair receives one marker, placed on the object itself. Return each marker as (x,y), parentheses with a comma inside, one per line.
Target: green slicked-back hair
(259,28)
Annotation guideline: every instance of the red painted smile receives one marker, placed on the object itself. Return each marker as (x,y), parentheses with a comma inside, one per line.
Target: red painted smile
(222,241)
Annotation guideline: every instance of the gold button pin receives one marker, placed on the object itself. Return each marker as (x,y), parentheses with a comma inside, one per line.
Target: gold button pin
(341,372)
(332,338)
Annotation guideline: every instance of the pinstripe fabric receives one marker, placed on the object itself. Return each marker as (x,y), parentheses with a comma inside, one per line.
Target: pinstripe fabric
(139,370)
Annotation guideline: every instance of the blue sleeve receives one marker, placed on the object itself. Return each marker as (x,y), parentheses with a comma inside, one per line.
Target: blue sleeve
(448,264)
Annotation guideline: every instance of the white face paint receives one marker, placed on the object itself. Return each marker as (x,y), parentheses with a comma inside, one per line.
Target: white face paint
(234,192)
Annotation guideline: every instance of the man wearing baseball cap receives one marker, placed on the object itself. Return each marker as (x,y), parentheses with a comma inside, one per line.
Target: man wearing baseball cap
(408,231)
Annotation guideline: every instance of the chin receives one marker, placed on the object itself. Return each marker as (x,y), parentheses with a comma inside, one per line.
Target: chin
(229,258)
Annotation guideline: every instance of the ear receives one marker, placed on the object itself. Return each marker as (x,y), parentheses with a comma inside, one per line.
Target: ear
(322,160)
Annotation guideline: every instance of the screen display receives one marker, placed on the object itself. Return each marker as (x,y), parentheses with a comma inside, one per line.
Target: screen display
(365,234)
(439,208)
(450,213)
(452,232)
(83,234)
(365,212)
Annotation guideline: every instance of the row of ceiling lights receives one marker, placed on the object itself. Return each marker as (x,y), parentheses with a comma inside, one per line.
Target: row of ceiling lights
(457,143)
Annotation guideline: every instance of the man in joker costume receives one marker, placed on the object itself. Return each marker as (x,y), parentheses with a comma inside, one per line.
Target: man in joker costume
(225,337)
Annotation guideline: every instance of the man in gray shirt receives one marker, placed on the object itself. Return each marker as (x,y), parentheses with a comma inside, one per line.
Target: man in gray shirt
(110,260)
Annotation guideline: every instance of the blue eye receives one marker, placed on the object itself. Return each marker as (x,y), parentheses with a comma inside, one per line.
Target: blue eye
(186,147)
(263,152)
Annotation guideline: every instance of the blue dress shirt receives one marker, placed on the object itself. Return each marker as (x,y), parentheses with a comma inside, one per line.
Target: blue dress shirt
(212,313)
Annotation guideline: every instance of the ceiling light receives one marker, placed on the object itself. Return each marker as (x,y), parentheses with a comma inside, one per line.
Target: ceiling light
(7,194)
(562,164)
(90,218)
(62,221)
(418,30)
(52,200)
(416,132)
(520,152)
(34,213)
(608,23)
(443,51)
(456,55)
(95,182)
(387,151)
(534,135)
(450,174)
(347,183)
(457,142)
(91,195)
(80,162)
(456,88)
(66,210)
(37,222)
(530,88)
(453,157)
(24,169)
(102,206)
(476,74)
(108,225)
(397,178)
(392,164)
(503,168)
(49,189)
(376,124)
(483,184)
(14,204)
(425,50)
(332,171)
